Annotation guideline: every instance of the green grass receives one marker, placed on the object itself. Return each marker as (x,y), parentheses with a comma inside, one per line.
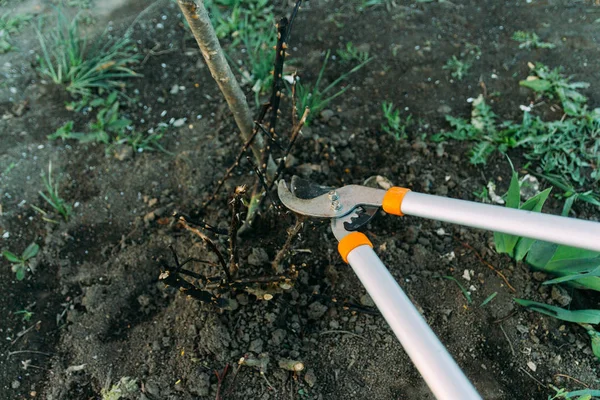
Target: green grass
(21,263)
(529,40)
(352,54)
(250,26)
(458,68)
(84,69)
(585,394)
(393,124)
(110,128)
(315,98)
(26,315)
(11,25)
(567,147)
(52,196)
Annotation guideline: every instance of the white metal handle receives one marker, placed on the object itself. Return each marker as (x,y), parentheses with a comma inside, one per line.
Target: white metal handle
(441,373)
(551,228)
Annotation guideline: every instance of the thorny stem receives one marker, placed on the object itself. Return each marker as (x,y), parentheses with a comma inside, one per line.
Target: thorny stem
(236,203)
(197,17)
(284,250)
(210,244)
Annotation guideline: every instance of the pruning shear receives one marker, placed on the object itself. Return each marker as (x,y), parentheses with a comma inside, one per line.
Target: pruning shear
(351,207)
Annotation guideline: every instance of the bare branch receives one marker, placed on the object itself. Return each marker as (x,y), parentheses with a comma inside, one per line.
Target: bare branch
(197,17)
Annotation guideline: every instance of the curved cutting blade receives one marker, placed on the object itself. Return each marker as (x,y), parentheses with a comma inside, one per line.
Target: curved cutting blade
(333,204)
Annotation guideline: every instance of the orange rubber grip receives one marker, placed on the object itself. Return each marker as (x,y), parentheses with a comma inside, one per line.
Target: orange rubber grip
(392,201)
(352,241)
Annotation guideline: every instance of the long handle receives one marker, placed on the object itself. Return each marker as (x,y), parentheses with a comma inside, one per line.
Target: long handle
(551,228)
(441,373)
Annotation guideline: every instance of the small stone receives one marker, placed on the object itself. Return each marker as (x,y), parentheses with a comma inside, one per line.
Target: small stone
(316,310)
(532,366)
(258,257)
(174,89)
(149,217)
(152,202)
(256,346)
(366,300)
(15,384)
(444,109)
(278,336)
(179,122)
(540,276)
(242,298)
(561,296)
(326,115)
(522,329)
(310,378)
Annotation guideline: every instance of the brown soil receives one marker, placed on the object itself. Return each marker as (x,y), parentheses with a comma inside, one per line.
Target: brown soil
(100,312)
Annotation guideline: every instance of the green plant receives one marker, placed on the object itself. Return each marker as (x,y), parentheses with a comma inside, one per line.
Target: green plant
(67,59)
(529,40)
(11,25)
(249,24)
(458,68)
(585,394)
(21,263)
(351,53)
(52,196)
(567,147)
(25,313)
(316,99)
(125,388)
(393,121)
(111,128)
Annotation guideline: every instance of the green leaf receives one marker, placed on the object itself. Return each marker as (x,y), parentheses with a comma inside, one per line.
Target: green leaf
(595,336)
(579,316)
(513,200)
(536,84)
(31,251)
(541,253)
(534,204)
(488,299)
(585,274)
(20,273)
(588,393)
(462,288)
(10,256)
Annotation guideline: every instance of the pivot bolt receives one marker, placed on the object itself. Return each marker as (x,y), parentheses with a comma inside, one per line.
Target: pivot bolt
(333,195)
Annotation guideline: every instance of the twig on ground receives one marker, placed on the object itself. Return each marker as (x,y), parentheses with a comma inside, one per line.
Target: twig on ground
(220,378)
(209,243)
(571,378)
(512,349)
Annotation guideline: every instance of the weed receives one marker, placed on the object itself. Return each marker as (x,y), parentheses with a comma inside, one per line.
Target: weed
(529,40)
(110,128)
(568,147)
(488,299)
(259,59)
(26,315)
(352,54)
(21,263)
(52,196)
(316,99)
(11,25)
(585,394)
(482,195)
(389,4)
(461,287)
(393,122)
(125,388)
(458,68)
(68,60)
